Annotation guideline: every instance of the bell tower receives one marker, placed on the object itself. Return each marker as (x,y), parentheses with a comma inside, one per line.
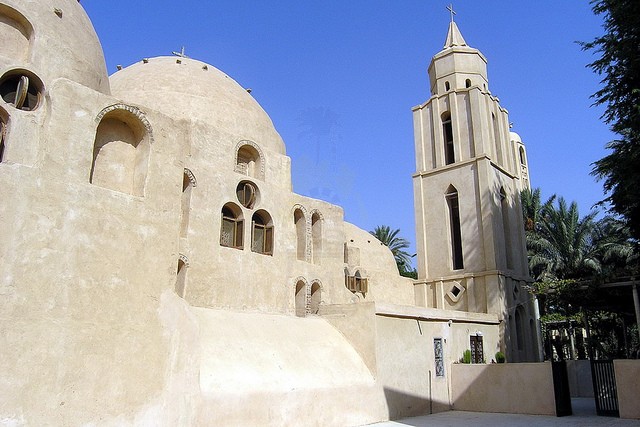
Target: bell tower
(470,234)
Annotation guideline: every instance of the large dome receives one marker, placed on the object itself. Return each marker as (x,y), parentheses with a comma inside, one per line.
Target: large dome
(187,89)
(51,39)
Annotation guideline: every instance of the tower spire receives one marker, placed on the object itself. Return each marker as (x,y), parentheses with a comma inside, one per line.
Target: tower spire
(454,36)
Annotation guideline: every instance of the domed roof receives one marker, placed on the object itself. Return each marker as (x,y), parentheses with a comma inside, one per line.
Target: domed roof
(515,137)
(52,39)
(188,89)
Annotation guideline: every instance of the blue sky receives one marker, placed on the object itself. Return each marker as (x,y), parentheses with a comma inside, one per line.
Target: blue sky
(339,78)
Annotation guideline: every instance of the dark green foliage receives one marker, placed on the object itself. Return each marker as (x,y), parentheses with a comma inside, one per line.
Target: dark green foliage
(397,245)
(618,61)
(500,358)
(466,357)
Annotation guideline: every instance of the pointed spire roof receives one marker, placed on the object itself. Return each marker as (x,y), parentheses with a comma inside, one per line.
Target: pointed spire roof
(454,36)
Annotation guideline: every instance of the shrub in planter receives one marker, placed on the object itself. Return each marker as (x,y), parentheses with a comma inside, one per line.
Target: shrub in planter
(500,358)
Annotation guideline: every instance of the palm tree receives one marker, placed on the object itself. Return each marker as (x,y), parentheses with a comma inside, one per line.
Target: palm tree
(396,244)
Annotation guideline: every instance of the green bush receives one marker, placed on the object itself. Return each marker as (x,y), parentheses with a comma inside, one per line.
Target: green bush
(466,357)
(500,358)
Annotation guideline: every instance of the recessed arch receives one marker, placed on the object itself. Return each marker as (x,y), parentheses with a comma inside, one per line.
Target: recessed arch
(181,275)
(121,150)
(316,297)
(16,32)
(249,159)
(300,222)
(316,236)
(467,83)
(188,183)
(232,228)
(300,296)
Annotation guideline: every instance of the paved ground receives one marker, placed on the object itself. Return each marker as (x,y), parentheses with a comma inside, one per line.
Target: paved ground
(583,410)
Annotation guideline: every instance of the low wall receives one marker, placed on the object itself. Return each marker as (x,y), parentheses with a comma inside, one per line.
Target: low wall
(627,375)
(516,388)
(580,380)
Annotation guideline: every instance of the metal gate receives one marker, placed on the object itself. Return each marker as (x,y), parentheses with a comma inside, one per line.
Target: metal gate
(604,388)
(561,388)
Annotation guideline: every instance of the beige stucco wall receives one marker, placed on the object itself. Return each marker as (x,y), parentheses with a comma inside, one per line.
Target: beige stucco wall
(627,374)
(522,388)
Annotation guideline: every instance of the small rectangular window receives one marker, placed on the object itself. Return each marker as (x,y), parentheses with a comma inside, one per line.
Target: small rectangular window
(439,356)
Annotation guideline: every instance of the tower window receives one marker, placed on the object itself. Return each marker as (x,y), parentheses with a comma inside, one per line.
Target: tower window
(504,210)
(447,132)
(467,83)
(249,160)
(232,226)
(522,157)
(447,86)
(454,225)
(301,234)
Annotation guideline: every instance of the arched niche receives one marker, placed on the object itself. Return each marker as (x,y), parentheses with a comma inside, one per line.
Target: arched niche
(188,183)
(181,275)
(316,297)
(15,32)
(301,297)
(121,150)
(316,237)
(300,222)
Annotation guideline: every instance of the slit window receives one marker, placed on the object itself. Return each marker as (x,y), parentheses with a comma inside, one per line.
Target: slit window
(3,134)
(447,133)
(455,231)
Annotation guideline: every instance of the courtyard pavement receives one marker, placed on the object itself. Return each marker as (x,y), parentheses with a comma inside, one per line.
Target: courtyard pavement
(584,415)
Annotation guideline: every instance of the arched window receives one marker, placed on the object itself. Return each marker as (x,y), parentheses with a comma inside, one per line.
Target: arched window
(249,161)
(181,275)
(316,297)
(121,150)
(316,236)
(504,210)
(467,83)
(232,226)
(454,227)
(523,162)
(447,133)
(301,298)
(301,234)
(188,182)
(262,233)
(447,86)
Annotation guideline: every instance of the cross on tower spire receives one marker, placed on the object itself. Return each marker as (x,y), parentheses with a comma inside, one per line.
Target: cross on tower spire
(451,11)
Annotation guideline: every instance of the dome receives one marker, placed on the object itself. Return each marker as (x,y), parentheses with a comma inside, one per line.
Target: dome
(51,39)
(188,89)
(515,137)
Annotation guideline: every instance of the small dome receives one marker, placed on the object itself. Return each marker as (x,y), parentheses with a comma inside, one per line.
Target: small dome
(515,137)
(51,39)
(188,89)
